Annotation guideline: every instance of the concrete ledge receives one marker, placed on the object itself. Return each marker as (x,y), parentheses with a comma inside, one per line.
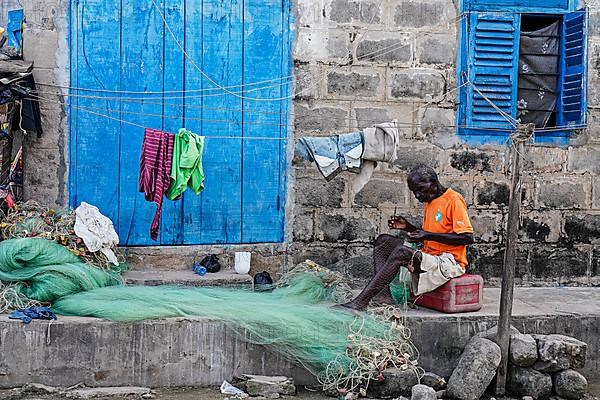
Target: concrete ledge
(222,278)
(197,352)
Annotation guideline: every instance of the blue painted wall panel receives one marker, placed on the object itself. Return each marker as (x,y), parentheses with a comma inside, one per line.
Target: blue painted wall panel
(124,49)
(261,206)
(172,105)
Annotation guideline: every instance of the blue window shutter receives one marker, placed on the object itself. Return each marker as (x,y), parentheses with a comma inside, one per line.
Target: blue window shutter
(492,67)
(572,105)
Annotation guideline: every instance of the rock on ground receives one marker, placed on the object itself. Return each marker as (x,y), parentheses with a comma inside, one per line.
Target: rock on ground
(117,392)
(397,383)
(570,384)
(434,381)
(269,386)
(559,352)
(529,382)
(475,370)
(523,350)
(423,392)
(491,333)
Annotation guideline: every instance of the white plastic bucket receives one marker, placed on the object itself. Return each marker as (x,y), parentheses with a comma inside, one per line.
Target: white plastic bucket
(242,262)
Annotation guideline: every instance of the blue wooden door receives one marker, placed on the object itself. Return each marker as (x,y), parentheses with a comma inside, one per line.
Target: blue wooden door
(220,68)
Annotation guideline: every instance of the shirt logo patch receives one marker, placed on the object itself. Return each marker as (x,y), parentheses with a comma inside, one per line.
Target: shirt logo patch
(438,216)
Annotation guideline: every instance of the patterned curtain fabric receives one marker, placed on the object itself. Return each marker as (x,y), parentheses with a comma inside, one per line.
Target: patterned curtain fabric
(538,75)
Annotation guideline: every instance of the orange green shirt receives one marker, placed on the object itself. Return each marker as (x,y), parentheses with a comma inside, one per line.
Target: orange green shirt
(447,214)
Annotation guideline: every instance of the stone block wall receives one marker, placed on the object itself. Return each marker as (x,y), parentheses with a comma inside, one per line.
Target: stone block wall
(359,63)
(362,62)
(46,158)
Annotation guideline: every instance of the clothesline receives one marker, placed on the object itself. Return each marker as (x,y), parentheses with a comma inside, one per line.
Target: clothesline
(402,124)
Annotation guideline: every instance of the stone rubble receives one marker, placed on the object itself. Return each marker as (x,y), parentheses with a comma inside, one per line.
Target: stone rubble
(423,392)
(570,384)
(523,350)
(475,370)
(397,382)
(528,382)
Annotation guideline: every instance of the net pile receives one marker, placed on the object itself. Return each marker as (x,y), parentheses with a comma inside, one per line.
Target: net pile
(40,270)
(27,220)
(343,350)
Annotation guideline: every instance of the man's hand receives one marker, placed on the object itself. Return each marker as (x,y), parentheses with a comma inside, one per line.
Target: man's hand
(400,222)
(417,235)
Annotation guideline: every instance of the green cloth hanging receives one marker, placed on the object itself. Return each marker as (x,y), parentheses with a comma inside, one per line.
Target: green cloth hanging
(186,168)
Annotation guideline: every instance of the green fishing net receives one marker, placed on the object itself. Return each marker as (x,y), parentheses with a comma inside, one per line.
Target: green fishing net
(48,271)
(343,350)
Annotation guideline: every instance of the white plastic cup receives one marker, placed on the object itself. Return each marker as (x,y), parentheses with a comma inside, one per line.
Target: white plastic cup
(242,262)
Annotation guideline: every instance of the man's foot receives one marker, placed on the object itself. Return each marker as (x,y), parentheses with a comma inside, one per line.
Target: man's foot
(384,299)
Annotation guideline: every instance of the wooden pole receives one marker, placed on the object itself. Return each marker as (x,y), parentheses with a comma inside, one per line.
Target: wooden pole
(524,132)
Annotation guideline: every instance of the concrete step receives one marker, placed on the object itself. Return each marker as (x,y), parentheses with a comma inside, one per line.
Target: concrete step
(223,278)
(200,351)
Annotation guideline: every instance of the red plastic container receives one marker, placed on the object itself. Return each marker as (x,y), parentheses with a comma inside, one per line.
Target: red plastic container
(462,294)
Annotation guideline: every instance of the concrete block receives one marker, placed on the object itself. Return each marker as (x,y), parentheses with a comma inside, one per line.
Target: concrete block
(436,50)
(325,45)
(348,11)
(487,261)
(40,46)
(544,159)
(462,186)
(596,193)
(594,24)
(584,159)
(543,227)
(488,226)
(593,129)
(564,193)
(346,228)
(303,230)
(307,79)
(552,262)
(417,153)
(478,162)
(45,176)
(355,83)
(320,118)
(423,14)
(415,84)
(368,114)
(593,73)
(314,192)
(385,48)
(326,255)
(492,194)
(380,191)
(358,263)
(438,125)
(582,228)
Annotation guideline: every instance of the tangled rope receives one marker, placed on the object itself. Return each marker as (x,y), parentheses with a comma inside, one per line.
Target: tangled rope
(371,356)
(12,298)
(30,219)
(367,356)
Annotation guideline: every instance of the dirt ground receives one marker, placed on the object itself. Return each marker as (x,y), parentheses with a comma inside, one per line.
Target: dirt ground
(213,394)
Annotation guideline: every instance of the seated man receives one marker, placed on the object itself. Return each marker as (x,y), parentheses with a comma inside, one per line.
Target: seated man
(446,232)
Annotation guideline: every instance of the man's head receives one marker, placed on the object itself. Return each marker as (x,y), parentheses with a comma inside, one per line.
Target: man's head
(424,183)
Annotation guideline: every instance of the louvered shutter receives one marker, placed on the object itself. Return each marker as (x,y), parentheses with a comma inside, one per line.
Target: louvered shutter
(493,69)
(572,104)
